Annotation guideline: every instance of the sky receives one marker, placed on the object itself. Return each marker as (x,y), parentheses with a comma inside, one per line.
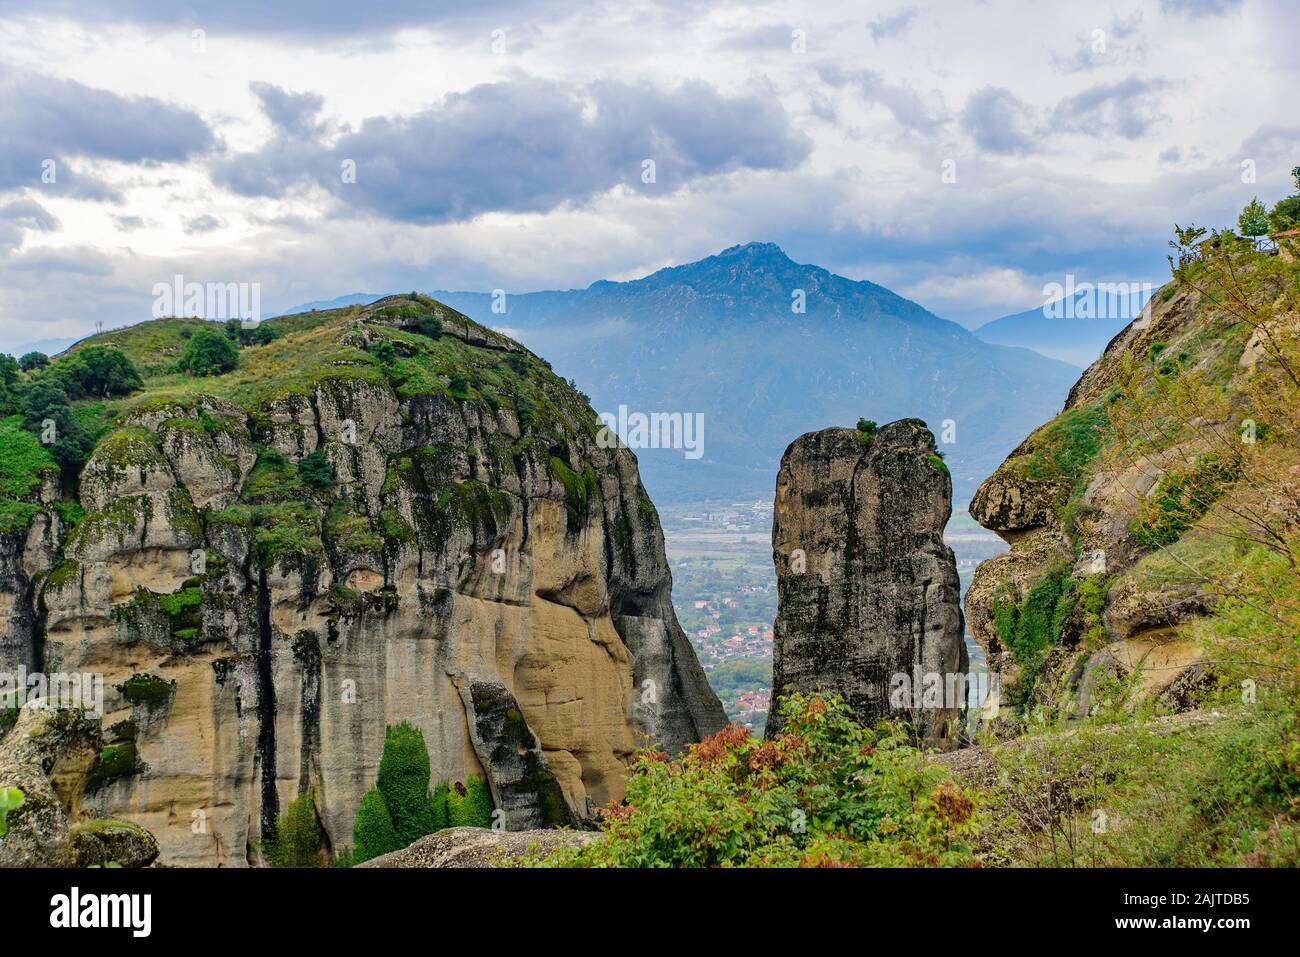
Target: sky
(964,154)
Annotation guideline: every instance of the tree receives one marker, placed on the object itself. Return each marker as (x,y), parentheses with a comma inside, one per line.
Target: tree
(97,371)
(48,414)
(315,469)
(33,360)
(373,833)
(404,782)
(208,353)
(430,326)
(1285,215)
(1253,220)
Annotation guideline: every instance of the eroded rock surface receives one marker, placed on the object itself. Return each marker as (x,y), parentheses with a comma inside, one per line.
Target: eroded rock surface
(256,632)
(867,590)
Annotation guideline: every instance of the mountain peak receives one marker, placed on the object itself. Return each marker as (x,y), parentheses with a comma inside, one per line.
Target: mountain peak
(753,251)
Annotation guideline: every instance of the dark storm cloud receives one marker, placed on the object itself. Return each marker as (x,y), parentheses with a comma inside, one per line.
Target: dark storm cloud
(528,146)
(44,118)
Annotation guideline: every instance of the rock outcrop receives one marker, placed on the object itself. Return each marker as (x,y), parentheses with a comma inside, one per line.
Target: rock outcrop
(868,600)
(480,847)
(468,557)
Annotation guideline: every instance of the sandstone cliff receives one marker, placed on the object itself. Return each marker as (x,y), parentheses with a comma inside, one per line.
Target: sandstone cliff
(1167,482)
(477,564)
(867,590)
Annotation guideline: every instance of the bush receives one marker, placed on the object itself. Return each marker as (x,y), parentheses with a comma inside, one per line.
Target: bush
(440,799)
(469,804)
(315,469)
(404,782)
(1179,500)
(373,833)
(208,353)
(382,350)
(827,792)
(33,360)
(297,838)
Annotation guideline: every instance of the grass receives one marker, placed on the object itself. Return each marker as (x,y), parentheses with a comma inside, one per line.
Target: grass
(24,461)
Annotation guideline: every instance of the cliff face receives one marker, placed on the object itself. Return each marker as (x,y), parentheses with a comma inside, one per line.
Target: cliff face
(477,565)
(1167,482)
(867,590)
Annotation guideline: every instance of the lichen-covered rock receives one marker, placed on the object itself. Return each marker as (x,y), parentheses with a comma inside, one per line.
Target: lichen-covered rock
(37,834)
(106,841)
(480,847)
(867,589)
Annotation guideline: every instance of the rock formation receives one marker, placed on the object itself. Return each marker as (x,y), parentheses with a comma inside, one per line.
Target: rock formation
(868,600)
(1071,503)
(470,559)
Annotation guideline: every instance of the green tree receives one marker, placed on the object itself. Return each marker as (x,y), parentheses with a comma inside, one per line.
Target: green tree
(404,782)
(47,413)
(1253,220)
(373,833)
(33,360)
(430,326)
(208,353)
(469,804)
(315,469)
(297,835)
(98,371)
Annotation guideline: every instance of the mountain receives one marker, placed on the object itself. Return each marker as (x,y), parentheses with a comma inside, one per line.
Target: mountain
(1075,329)
(719,337)
(387,514)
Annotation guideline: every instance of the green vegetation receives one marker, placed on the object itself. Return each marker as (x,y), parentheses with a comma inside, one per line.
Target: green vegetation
(11,799)
(469,804)
(98,371)
(373,832)
(403,782)
(148,691)
(937,463)
(1031,627)
(296,841)
(113,762)
(208,353)
(314,469)
(33,360)
(866,430)
(828,792)
(1179,499)
(1064,448)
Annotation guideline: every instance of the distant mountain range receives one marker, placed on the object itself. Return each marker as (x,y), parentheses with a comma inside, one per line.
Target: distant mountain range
(1075,330)
(722,337)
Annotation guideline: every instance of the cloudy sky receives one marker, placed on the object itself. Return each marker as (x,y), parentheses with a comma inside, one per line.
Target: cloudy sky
(962,154)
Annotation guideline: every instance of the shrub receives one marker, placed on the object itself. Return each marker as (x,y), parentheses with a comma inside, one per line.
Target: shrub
(439,799)
(827,792)
(404,782)
(469,804)
(315,470)
(382,350)
(1031,627)
(297,838)
(208,353)
(430,326)
(1179,500)
(459,387)
(33,360)
(373,834)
